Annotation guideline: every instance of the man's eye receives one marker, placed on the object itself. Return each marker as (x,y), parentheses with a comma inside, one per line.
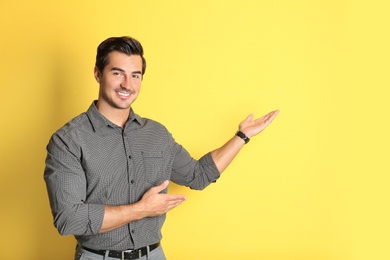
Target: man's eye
(116,73)
(136,76)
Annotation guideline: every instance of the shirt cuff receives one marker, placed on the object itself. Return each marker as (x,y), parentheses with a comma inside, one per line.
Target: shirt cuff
(95,216)
(210,168)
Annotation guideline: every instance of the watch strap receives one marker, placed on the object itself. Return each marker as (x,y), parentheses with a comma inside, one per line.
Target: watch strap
(243,136)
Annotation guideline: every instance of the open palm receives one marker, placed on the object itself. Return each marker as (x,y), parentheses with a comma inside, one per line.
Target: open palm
(251,127)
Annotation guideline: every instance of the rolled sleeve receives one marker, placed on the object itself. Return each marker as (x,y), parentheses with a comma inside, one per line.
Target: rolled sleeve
(196,174)
(209,168)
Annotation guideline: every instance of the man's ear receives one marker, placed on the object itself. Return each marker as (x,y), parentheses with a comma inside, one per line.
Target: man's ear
(97,74)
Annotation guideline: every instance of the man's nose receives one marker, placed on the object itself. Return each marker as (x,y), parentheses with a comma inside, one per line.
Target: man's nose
(126,83)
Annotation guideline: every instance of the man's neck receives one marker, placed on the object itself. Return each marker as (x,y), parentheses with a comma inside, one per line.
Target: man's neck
(115,115)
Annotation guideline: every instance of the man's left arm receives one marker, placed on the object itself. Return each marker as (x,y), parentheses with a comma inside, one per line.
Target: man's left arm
(249,127)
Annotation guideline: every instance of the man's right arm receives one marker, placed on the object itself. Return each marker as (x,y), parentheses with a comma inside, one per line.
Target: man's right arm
(152,204)
(66,186)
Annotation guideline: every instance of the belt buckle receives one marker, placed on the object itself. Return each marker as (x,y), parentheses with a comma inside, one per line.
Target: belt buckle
(124,252)
(130,251)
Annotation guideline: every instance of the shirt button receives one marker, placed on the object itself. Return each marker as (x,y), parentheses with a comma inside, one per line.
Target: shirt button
(132,231)
(130,157)
(132,181)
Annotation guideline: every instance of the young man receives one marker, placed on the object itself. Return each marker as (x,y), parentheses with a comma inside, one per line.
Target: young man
(107,170)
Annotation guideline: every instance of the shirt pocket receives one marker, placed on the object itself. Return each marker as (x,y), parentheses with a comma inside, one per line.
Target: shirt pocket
(154,167)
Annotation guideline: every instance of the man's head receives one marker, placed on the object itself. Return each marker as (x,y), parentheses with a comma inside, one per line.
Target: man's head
(119,71)
(124,44)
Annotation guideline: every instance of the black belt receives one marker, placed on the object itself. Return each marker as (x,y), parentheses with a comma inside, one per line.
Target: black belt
(127,254)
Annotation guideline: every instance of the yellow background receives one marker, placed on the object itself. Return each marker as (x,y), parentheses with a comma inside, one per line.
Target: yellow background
(314,185)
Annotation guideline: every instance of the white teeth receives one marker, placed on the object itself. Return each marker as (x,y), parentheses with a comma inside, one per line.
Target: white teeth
(124,94)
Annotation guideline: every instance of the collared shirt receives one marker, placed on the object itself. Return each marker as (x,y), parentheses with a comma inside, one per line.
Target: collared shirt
(92,162)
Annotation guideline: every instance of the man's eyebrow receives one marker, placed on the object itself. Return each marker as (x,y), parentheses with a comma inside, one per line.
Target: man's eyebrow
(122,70)
(118,69)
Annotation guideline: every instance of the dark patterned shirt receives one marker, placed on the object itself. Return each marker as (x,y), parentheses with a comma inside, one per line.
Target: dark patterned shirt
(92,162)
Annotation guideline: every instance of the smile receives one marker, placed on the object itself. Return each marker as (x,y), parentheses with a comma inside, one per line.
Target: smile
(123,94)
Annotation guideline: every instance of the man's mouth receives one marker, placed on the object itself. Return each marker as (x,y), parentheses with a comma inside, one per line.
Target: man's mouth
(123,94)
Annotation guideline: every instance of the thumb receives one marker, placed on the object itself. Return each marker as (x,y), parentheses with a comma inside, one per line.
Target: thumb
(249,117)
(162,186)
(246,121)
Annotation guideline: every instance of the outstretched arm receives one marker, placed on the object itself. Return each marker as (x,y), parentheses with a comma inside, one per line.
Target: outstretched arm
(224,155)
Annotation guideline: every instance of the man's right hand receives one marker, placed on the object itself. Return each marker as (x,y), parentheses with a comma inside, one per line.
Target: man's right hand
(154,203)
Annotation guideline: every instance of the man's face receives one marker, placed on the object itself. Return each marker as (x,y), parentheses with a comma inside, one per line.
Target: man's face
(120,81)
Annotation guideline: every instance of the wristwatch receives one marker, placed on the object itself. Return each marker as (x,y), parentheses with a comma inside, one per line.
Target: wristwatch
(243,136)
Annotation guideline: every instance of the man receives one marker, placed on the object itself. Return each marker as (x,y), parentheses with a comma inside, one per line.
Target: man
(107,170)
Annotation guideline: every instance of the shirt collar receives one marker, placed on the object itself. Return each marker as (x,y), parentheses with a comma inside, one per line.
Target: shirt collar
(98,120)
(135,118)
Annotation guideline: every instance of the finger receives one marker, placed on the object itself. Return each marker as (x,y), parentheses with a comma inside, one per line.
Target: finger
(171,207)
(172,201)
(249,117)
(270,116)
(175,203)
(175,197)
